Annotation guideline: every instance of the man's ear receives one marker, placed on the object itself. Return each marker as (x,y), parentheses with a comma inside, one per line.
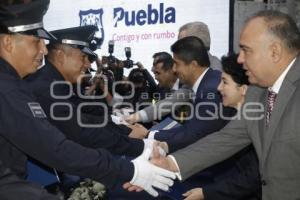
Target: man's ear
(7,43)
(194,64)
(60,56)
(276,51)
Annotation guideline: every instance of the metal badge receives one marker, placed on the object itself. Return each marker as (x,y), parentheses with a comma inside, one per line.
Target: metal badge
(37,110)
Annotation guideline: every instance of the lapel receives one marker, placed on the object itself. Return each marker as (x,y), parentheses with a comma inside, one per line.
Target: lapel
(209,81)
(283,97)
(256,95)
(262,123)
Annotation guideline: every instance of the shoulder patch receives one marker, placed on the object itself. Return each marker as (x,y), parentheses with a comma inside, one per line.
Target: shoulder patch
(37,110)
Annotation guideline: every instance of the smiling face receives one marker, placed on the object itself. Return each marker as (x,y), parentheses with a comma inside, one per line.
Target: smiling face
(164,77)
(232,93)
(184,71)
(27,53)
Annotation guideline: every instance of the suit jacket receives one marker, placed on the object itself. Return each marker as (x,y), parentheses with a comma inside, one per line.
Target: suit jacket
(109,136)
(236,178)
(277,147)
(208,100)
(215,63)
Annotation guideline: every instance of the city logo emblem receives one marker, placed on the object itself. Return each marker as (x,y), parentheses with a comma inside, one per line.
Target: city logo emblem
(93,17)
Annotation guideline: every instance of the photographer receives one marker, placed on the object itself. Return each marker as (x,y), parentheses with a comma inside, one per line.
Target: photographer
(144,86)
(101,83)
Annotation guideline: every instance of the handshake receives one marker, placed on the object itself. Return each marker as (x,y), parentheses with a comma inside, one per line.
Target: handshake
(152,170)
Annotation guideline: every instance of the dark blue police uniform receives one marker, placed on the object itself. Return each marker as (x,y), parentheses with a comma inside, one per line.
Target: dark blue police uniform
(24,129)
(109,137)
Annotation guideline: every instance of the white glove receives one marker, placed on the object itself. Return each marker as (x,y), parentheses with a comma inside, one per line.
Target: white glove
(118,120)
(147,175)
(148,144)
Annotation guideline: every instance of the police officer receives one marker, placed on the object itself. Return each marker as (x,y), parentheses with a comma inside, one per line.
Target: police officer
(24,129)
(65,64)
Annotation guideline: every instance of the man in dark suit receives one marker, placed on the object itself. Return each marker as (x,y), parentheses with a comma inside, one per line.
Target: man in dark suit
(164,107)
(270,46)
(168,83)
(191,64)
(163,72)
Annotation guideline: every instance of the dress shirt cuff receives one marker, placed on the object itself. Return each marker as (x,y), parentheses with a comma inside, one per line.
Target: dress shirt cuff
(151,135)
(143,116)
(178,174)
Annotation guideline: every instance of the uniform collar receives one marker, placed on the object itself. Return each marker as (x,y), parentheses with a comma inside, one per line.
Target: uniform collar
(6,68)
(54,75)
(51,69)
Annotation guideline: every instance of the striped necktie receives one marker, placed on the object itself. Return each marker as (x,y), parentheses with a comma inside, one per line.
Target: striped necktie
(270,104)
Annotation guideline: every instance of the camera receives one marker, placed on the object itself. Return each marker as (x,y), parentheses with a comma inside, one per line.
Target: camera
(128,52)
(111,60)
(111,45)
(116,65)
(128,63)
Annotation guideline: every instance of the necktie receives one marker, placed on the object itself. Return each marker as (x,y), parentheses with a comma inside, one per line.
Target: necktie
(270,104)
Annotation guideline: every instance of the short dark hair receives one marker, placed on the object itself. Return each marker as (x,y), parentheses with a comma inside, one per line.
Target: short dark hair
(234,69)
(164,58)
(191,48)
(136,76)
(282,26)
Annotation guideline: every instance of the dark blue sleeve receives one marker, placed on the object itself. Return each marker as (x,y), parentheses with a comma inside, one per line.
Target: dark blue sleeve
(36,137)
(204,121)
(109,135)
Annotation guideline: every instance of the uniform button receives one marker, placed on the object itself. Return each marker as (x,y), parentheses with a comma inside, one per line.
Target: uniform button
(263,183)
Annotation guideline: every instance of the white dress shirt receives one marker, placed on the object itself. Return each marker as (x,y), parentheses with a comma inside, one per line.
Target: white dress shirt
(277,85)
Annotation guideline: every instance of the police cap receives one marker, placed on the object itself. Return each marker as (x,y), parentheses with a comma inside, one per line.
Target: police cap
(77,37)
(24,18)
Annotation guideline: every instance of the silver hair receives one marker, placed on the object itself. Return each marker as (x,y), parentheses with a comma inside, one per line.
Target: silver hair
(197,29)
